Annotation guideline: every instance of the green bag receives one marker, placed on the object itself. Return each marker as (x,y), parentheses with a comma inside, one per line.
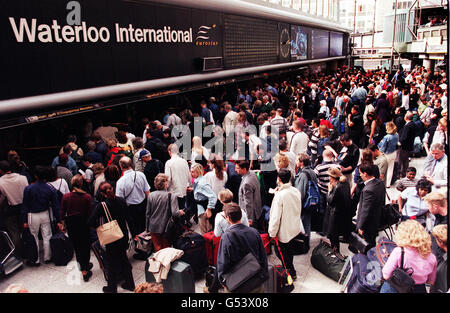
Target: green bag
(326,261)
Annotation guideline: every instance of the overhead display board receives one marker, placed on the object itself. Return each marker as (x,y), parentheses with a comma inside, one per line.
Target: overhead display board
(336,44)
(250,41)
(320,40)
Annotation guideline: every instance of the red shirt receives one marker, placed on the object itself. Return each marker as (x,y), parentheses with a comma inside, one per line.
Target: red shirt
(326,123)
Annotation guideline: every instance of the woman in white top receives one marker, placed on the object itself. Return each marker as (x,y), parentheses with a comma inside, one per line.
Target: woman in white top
(198,151)
(220,222)
(59,183)
(217,177)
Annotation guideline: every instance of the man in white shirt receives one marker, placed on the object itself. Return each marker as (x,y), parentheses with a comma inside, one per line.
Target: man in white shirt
(286,224)
(173,119)
(134,188)
(12,186)
(298,141)
(177,169)
(436,170)
(230,121)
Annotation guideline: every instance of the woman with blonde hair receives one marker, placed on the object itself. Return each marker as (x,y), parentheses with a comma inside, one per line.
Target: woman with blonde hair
(199,153)
(414,242)
(204,197)
(338,218)
(388,145)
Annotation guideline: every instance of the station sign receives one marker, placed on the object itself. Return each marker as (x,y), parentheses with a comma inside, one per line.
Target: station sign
(52,46)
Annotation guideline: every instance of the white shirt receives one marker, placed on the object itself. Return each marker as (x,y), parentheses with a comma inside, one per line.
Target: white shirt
(179,175)
(216,184)
(61,185)
(285,214)
(299,143)
(229,122)
(173,120)
(131,189)
(221,224)
(12,186)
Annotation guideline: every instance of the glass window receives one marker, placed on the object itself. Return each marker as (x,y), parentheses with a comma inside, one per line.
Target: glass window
(325,8)
(320,7)
(296,4)
(286,3)
(435,33)
(444,33)
(312,9)
(305,5)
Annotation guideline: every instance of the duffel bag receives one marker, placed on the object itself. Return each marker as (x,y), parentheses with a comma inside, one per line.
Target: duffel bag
(193,245)
(327,261)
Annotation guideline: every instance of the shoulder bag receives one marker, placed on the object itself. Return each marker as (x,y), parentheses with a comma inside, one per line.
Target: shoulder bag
(401,279)
(108,232)
(173,228)
(134,183)
(246,275)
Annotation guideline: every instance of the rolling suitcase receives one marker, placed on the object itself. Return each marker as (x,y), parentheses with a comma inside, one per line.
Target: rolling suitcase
(365,278)
(29,247)
(299,245)
(61,248)
(212,247)
(179,280)
(270,286)
(326,261)
(99,252)
(193,246)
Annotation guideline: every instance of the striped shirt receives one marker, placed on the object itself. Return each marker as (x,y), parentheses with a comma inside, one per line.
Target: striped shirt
(321,171)
(312,145)
(404,183)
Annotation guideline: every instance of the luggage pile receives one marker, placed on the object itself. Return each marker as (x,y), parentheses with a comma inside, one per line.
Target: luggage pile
(364,271)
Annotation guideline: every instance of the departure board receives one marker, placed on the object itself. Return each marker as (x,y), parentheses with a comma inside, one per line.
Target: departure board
(320,40)
(336,44)
(250,42)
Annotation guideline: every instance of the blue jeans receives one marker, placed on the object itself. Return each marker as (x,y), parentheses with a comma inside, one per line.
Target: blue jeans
(306,220)
(387,288)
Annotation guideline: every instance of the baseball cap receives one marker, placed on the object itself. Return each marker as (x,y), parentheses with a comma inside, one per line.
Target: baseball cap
(144,153)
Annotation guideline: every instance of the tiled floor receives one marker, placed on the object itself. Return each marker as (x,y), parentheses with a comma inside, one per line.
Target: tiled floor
(49,278)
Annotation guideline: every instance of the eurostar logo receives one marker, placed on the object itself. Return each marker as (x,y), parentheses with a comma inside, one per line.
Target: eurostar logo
(204,35)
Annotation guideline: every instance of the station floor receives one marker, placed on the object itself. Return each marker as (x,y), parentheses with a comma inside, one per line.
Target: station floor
(48,278)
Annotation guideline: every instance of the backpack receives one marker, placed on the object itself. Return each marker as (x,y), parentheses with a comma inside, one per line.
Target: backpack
(312,194)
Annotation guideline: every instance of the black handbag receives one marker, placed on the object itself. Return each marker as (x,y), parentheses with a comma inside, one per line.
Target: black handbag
(401,279)
(174,229)
(244,276)
(359,243)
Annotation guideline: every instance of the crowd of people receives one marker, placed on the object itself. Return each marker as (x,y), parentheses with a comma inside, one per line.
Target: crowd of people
(315,153)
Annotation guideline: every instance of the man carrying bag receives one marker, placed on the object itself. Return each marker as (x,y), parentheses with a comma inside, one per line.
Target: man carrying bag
(242,261)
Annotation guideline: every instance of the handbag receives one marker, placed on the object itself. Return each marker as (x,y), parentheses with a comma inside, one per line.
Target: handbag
(173,228)
(359,243)
(401,279)
(246,275)
(108,232)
